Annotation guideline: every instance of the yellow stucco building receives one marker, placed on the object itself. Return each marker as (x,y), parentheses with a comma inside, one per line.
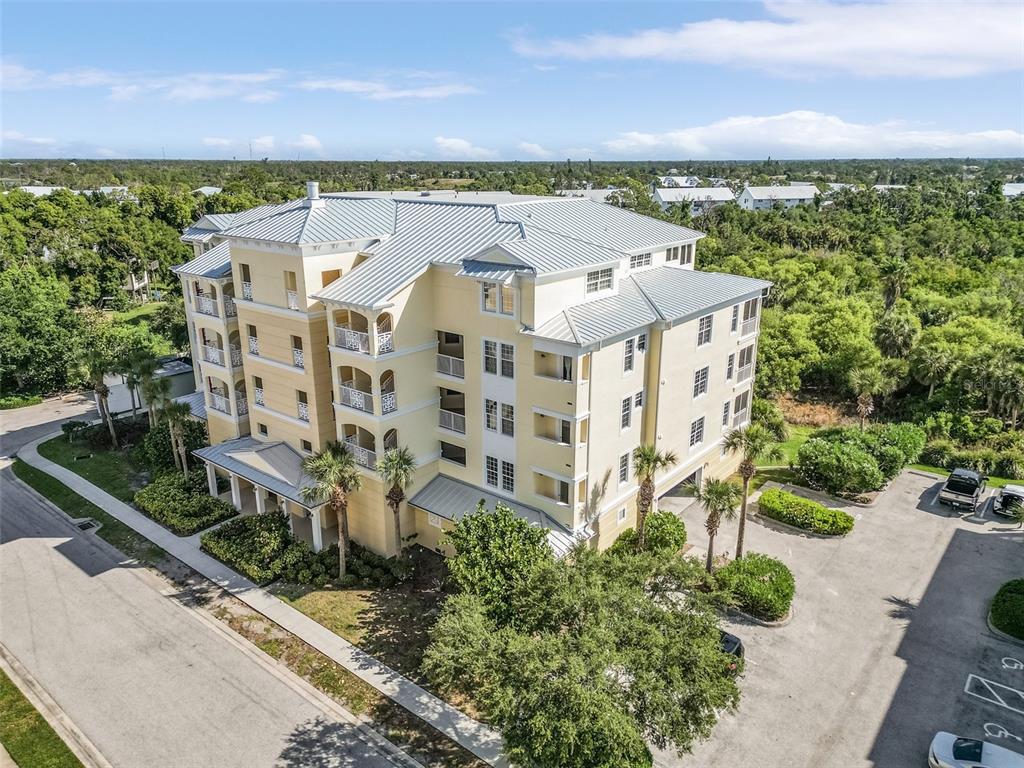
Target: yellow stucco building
(520,346)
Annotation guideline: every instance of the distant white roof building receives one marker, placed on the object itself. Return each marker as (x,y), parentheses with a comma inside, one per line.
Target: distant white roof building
(697,197)
(597,195)
(678,181)
(887,187)
(1013,190)
(764,198)
(40,191)
(836,186)
(206,191)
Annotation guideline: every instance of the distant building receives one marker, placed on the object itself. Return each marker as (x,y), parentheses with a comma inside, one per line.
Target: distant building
(699,198)
(40,191)
(840,186)
(764,198)
(678,181)
(207,191)
(1012,190)
(888,187)
(597,195)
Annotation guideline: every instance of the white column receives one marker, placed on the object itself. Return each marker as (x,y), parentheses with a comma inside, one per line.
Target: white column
(261,500)
(287,507)
(318,532)
(236,493)
(211,480)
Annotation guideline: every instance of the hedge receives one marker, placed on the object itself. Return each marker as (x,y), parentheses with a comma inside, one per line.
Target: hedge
(1003,463)
(762,586)
(665,533)
(19,401)
(838,467)
(156,445)
(803,513)
(1008,609)
(182,505)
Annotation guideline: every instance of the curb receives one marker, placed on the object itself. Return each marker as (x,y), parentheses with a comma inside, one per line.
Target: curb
(761,622)
(1000,634)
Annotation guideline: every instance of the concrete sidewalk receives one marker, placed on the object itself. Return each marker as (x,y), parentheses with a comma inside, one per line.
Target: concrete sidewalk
(481,740)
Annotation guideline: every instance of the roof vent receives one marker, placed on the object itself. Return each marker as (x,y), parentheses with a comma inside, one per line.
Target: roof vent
(313,199)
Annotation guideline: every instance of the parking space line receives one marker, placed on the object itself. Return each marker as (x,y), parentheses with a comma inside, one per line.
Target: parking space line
(995,693)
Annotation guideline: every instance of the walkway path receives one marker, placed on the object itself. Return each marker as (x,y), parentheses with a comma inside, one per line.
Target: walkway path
(481,740)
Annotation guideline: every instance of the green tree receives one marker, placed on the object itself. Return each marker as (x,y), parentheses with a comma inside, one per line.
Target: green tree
(898,330)
(647,462)
(397,467)
(865,383)
(335,476)
(753,443)
(176,412)
(719,499)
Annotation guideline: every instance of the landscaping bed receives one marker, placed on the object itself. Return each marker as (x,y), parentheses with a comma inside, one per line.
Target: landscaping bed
(182,504)
(762,586)
(1007,612)
(803,513)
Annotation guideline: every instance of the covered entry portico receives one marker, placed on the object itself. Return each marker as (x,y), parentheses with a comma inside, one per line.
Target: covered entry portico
(267,476)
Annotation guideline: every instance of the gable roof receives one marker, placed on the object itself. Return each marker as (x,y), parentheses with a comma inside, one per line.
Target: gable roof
(215,264)
(275,466)
(693,194)
(782,193)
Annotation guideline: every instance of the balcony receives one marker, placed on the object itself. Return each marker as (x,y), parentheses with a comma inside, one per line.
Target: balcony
(229,307)
(385,342)
(254,346)
(298,358)
(357,341)
(388,402)
(293,300)
(303,411)
(364,457)
(216,356)
(247,290)
(257,396)
(207,306)
(744,373)
(452,421)
(356,398)
(242,406)
(739,419)
(220,403)
(451,366)
(748,326)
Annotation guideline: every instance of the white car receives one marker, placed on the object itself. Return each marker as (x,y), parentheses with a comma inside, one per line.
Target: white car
(1007,499)
(950,751)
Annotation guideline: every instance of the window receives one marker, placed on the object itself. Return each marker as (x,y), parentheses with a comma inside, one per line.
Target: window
(623,469)
(725,413)
(257,382)
(621,516)
(734,323)
(672,254)
(490,296)
(565,431)
(434,520)
(730,367)
(704,330)
(641,342)
(697,432)
(686,253)
(627,356)
(565,373)
(700,382)
(452,338)
(498,298)
(329,276)
(599,280)
(453,453)
(491,414)
(262,429)
(491,471)
(508,419)
(508,300)
(638,399)
(490,357)
(563,492)
(508,366)
(307,446)
(246,276)
(627,412)
(639,260)
(508,476)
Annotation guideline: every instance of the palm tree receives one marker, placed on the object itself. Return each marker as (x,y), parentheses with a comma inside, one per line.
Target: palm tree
(647,461)
(176,413)
(140,369)
(157,393)
(96,367)
(866,383)
(335,475)
(397,467)
(931,367)
(895,275)
(719,499)
(754,443)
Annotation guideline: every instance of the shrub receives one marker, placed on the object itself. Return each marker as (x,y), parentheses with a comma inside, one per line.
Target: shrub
(838,467)
(73,429)
(1008,609)
(908,439)
(253,545)
(1010,464)
(129,432)
(665,533)
(937,453)
(769,415)
(803,513)
(182,505)
(762,586)
(156,445)
(19,401)
(979,459)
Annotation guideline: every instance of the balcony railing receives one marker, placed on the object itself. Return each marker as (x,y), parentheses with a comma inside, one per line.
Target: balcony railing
(388,402)
(356,398)
(298,358)
(364,456)
(257,396)
(385,343)
(207,306)
(236,356)
(357,341)
(304,411)
(455,422)
(748,326)
(247,290)
(229,307)
(241,404)
(745,373)
(220,403)
(254,345)
(451,366)
(213,355)
(293,300)
(739,419)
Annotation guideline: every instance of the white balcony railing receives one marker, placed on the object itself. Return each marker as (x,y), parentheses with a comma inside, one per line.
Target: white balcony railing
(236,356)
(298,358)
(241,404)
(744,373)
(257,396)
(304,411)
(451,366)
(293,300)
(748,327)
(213,355)
(357,341)
(739,419)
(247,290)
(356,398)
(364,456)
(254,345)
(206,306)
(229,307)
(455,422)
(385,343)
(220,403)
(388,402)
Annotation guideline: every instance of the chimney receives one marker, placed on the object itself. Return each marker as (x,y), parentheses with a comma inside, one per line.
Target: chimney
(313,199)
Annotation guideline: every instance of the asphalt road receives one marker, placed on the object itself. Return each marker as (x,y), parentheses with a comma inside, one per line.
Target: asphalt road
(147,681)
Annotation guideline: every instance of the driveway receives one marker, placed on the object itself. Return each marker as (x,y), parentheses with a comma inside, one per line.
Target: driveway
(145,679)
(889,629)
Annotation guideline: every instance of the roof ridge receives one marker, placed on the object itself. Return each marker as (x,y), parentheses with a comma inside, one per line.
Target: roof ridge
(650,302)
(571,324)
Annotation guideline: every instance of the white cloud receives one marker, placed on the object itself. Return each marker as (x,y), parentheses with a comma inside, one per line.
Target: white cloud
(806,134)
(262,144)
(307,142)
(461,149)
(534,150)
(807,39)
(17,137)
(382,91)
(216,141)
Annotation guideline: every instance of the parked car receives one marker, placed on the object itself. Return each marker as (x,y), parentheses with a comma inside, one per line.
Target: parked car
(1010,498)
(951,751)
(963,488)
(734,646)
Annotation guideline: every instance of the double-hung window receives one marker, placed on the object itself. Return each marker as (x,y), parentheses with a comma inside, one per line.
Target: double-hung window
(686,253)
(508,366)
(490,357)
(700,382)
(599,280)
(491,414)
(508,419)
(627,412)
(730,366)
(490,296)
(697,432)
(638,399)
(734,323)
(508,476)
(628,355)
(491,471)
(725,413)
(704,330)
(672,254)
(498,298)
(641,342)
(623,469)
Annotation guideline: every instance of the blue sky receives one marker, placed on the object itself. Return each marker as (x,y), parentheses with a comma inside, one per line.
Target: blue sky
(490,80)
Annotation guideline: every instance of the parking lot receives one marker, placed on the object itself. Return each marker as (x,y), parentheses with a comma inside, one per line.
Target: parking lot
(888,643)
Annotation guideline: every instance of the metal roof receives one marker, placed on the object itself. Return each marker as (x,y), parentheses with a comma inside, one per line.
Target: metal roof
(196,234)
(213,265)
(275,466)
(490,270)
(548,252)
(693,194)
(453,499)
(330,220)
(782,193)
(584,324)
(196,402)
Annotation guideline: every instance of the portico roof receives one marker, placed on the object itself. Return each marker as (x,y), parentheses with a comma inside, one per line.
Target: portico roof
(275,466)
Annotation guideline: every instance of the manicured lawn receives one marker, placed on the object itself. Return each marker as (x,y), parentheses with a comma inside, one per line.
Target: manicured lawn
(138,313)
(28,738)
(780,475)
(113,471)
(113,531)
(798,435)
(993,481)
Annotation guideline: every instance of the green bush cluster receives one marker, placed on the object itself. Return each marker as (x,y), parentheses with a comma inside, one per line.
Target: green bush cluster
(849,460)
(803,513)
(762,586)
(181,504)
(665,533)
(19,401)
(156,445)
(1008,609)
(1006,462)
(130,431)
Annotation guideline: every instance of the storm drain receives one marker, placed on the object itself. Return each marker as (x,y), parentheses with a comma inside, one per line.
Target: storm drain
(87,525)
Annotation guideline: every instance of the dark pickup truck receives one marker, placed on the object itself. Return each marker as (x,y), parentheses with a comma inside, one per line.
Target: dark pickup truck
(963,488)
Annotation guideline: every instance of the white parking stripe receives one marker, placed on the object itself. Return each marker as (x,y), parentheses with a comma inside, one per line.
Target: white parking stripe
(995,693)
